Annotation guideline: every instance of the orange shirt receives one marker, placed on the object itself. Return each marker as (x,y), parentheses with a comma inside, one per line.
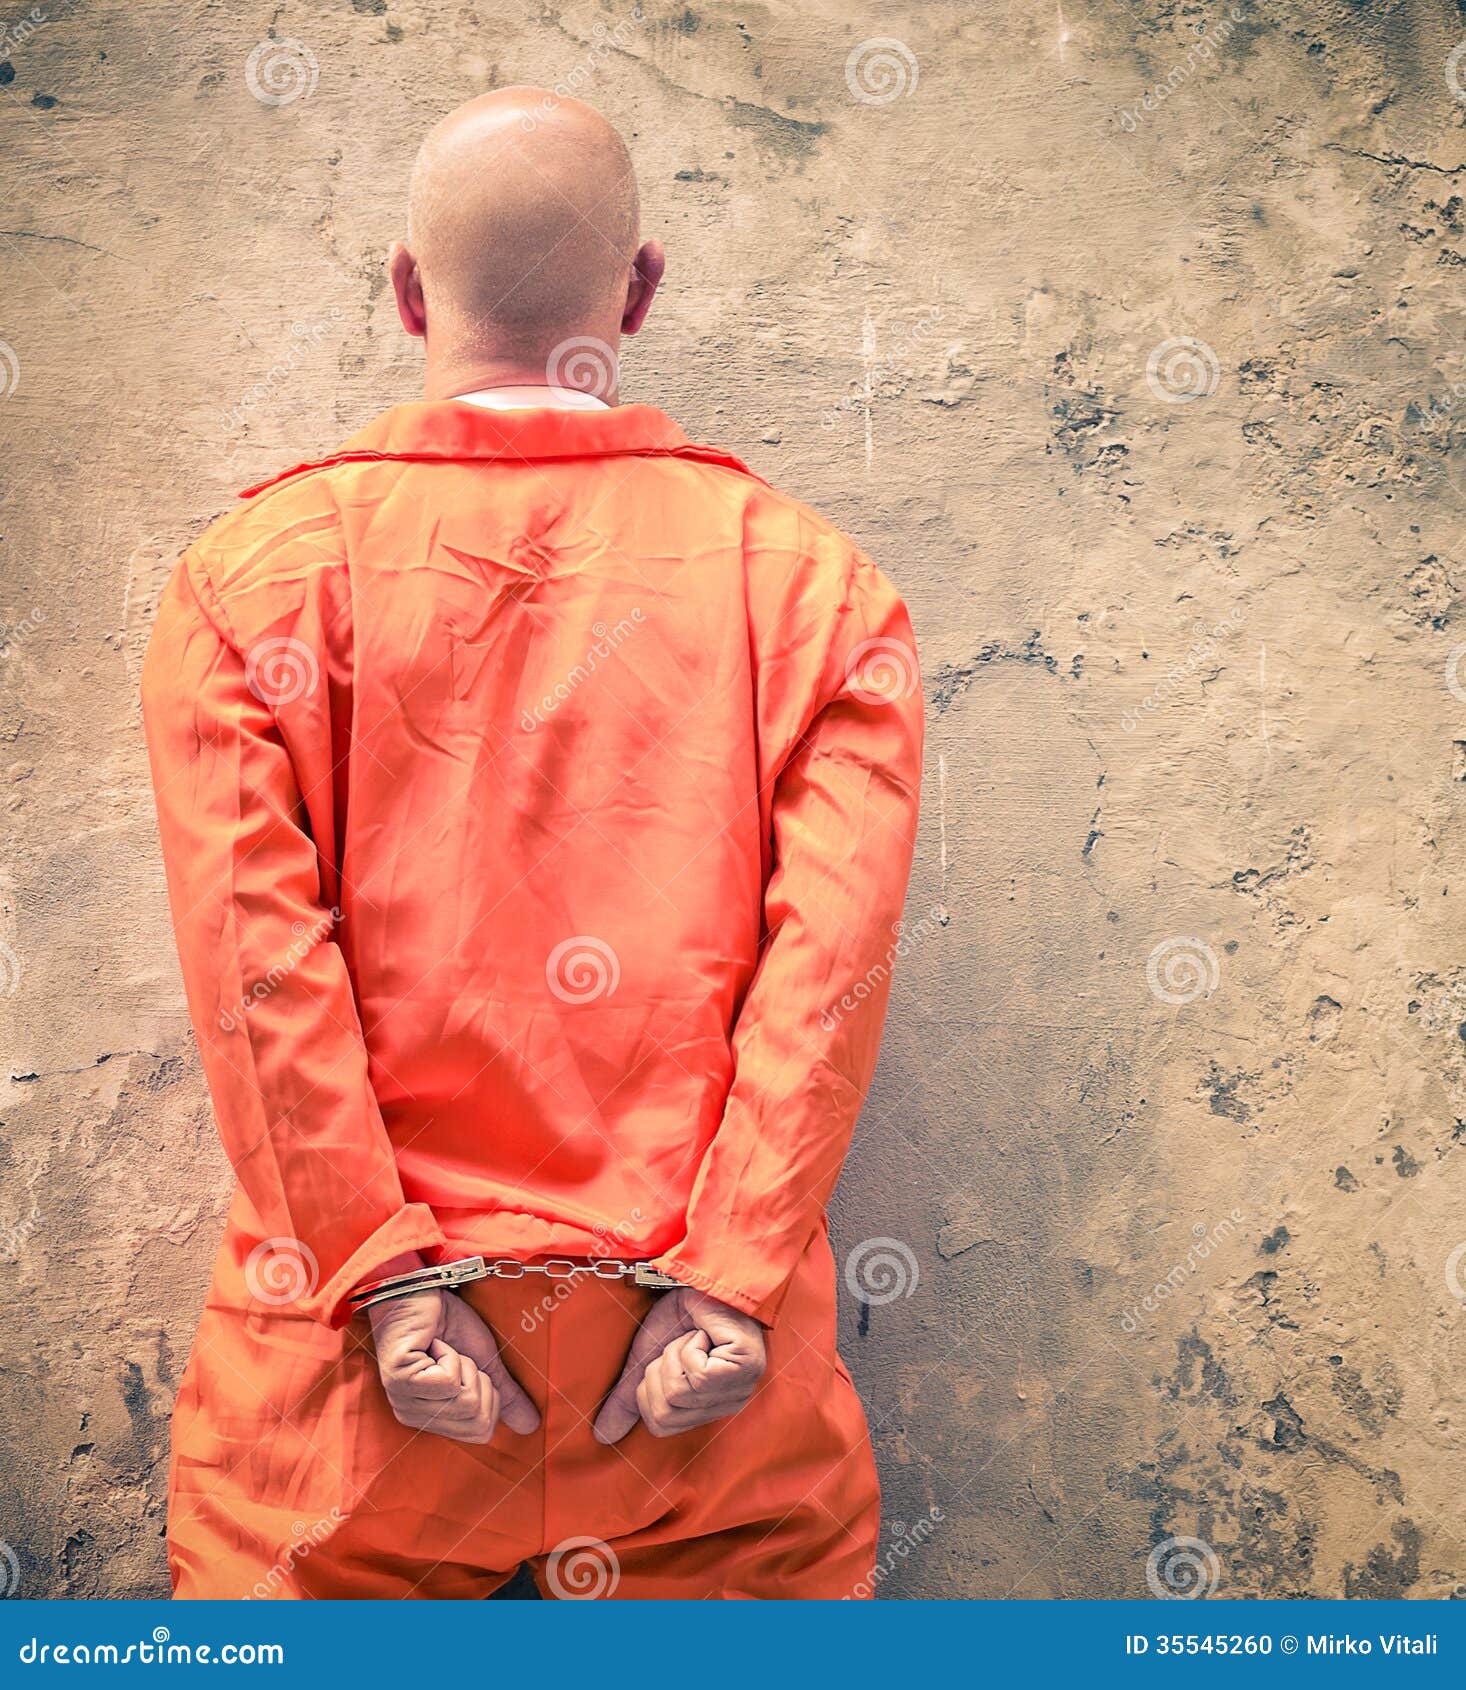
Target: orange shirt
(537,792)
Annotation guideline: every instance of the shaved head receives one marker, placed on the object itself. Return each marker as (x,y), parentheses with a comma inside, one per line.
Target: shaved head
(522,231)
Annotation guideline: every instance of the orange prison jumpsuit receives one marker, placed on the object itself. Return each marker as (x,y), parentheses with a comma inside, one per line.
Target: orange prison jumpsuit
(537,792)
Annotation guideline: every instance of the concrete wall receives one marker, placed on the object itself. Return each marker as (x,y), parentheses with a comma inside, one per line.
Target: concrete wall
(1154,411)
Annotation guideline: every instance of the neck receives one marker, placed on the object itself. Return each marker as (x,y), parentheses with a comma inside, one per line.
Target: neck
(584,372)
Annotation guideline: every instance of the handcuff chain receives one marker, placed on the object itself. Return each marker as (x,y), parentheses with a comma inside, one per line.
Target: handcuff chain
(450,1275)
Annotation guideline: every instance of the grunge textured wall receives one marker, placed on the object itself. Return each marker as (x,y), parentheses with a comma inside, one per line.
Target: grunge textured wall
(1128,338)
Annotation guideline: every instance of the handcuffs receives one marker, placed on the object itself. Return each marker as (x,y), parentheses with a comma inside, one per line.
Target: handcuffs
(450,1275)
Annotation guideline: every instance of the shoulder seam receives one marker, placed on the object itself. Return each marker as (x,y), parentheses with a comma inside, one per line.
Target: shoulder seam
(206,597)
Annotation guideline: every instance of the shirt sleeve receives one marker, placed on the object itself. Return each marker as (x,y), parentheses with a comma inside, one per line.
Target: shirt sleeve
(267,985)
(844,820)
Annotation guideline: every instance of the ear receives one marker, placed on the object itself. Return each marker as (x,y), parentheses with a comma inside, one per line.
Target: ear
(646,277)
(407,285)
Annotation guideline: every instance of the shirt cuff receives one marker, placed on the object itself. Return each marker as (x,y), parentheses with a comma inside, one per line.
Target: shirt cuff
(413,1227)
(763,1309)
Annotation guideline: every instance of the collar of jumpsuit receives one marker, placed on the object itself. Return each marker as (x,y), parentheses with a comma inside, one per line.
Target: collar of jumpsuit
(458,430)
(524,396)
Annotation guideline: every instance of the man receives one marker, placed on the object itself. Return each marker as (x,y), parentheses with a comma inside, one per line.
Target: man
(537,792)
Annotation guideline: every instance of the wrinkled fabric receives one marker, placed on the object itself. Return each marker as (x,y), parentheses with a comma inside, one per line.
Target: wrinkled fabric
(537,793)
(340,1501)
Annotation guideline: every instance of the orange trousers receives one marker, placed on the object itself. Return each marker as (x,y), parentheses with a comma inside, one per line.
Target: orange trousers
(292,1479)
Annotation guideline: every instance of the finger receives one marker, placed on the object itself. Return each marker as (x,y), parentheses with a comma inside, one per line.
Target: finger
(434,1383)
(651,1400)
(401,1366)
(446,1359)
(460,1407)
(660,1417)
(716,1394)
(619,1411)
(515,1406)
(713,1376)
(671,1372)
(688,1377)
(461,1430)
(440,1374)
(730,1330)
(663,1421)
(473,1420)
(491,1407)
(470,1417)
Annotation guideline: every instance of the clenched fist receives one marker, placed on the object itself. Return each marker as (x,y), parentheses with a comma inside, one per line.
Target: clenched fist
(694,1360)
(442,1371)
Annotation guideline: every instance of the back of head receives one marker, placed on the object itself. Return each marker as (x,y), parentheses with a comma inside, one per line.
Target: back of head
(522,224)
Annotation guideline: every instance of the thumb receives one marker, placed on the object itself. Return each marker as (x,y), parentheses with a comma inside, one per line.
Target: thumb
(729,1330)
(664,1321)
(516,1410)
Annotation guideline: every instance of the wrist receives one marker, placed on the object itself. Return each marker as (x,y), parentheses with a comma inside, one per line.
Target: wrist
(408,1262)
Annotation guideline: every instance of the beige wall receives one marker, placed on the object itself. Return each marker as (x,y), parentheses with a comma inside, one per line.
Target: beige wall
(1186,661)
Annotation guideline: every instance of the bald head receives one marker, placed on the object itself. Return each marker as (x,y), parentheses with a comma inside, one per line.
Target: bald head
(522,232)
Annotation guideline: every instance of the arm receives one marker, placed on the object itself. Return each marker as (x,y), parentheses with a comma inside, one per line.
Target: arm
(805,1046)
(844,826)
(268,990)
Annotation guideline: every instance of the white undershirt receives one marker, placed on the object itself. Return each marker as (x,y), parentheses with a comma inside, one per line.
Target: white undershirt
(529,398)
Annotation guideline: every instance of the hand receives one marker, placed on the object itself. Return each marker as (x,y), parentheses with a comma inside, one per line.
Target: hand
(442,1371)
(694,1360)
